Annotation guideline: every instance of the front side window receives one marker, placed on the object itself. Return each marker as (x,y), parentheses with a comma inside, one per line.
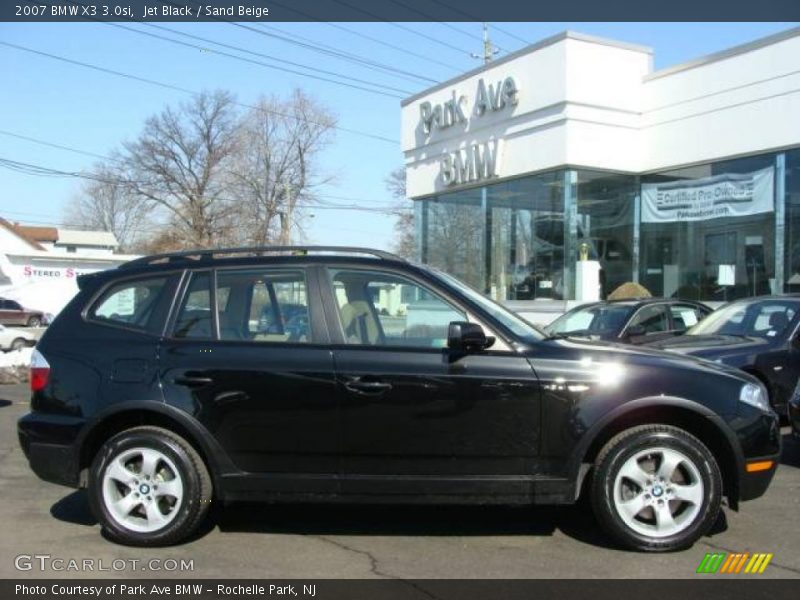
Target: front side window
(652,319)
(384,309)
(129,303)
(599,319)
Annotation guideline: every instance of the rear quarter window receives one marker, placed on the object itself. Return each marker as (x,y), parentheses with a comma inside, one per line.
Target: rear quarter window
(131,303)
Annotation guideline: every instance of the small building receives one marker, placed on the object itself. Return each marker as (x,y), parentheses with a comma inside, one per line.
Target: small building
(685,179)
(39,266)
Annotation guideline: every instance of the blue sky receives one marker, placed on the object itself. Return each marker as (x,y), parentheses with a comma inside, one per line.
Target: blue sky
(92,111)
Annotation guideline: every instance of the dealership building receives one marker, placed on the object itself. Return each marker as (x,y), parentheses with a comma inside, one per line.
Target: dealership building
(685,179)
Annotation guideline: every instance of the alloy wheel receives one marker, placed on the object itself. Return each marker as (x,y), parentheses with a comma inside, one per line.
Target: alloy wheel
(658,492)
(142,489)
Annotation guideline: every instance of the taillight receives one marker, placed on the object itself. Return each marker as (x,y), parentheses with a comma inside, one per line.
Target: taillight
(40,371)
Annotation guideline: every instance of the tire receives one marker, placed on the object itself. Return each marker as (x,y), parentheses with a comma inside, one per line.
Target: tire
(124,489)
(18,344)
(34,322)
(656,515)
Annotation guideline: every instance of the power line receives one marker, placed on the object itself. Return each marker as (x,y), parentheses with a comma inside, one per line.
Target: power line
(474,18)
(333,52)
(121,161)
(184,90)
(263,64)
(404,28)
(42,171)
(316,47)
(375,40)
(434,19)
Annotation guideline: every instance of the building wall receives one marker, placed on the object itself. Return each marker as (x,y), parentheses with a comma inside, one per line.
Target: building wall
(570,102)
(596,104)
(727,105)
(592,126)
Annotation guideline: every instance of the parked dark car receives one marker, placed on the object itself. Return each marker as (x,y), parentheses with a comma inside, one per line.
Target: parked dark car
(635,321)
(758,335)
(13,313)
(157,390)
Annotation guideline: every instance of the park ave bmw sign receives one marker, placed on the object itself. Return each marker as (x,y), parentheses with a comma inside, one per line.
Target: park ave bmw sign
(478,161)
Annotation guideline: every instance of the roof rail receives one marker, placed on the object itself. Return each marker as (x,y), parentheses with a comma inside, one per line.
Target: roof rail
(207,254)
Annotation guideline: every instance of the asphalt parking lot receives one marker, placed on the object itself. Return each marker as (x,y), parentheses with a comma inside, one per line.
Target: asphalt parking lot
(364,542)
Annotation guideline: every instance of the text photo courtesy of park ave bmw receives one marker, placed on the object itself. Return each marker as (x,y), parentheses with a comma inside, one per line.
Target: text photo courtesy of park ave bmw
(399,298)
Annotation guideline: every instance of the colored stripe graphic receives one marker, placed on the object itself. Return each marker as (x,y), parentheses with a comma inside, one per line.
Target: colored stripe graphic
(711,562)
(758,563)
(720,562)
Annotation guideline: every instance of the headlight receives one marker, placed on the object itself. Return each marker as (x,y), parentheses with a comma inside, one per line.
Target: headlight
(755,395)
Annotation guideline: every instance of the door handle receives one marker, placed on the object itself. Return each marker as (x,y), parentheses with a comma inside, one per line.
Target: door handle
(189,381)
(360,386)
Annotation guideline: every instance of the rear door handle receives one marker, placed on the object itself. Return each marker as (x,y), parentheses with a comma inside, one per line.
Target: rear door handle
(193,381)
(360,386)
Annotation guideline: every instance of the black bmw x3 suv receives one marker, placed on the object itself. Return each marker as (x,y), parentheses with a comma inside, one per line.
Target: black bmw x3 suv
(336,374)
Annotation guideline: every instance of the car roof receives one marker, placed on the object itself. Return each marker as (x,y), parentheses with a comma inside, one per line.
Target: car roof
(247,256)
(638,302)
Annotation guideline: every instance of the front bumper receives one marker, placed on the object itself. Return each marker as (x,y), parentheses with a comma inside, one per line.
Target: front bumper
(753,485)
(49,444)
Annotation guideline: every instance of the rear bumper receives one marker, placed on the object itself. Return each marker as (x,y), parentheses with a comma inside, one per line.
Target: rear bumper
(48,442)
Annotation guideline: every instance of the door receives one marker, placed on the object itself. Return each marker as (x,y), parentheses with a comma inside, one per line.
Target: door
(256,371)
(411,407)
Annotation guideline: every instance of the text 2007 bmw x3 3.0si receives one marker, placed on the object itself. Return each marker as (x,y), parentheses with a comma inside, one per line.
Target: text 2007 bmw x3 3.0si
(324,374)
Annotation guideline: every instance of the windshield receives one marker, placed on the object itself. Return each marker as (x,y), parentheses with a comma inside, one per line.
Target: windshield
(766,318)
(597,319)
(516,324)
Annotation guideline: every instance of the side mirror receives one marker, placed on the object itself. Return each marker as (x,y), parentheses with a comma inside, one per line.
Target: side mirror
(635,331)
(465,336)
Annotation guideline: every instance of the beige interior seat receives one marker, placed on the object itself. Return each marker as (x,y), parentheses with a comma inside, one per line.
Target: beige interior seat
(359,324)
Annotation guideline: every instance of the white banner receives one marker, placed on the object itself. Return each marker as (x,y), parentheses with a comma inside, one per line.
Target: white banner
(728,195)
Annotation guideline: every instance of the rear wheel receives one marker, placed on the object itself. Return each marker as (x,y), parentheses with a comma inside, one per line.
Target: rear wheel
(149,487)
(656,488)
(18,344)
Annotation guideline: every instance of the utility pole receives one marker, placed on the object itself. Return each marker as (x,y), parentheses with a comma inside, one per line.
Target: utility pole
(488,49)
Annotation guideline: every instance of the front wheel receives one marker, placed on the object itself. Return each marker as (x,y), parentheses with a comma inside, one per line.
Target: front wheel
(656,488)
(149,487)
(18,344)
(34,322)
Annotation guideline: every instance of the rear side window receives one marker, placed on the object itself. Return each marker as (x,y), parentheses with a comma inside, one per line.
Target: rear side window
(194,319)
(685,316)
(263,306)
(253,305)
(130,303)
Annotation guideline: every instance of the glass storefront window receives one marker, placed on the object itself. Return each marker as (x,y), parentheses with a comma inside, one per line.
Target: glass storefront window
(526,232)
(604,222)
(454,236)
(708,232)
(792,229)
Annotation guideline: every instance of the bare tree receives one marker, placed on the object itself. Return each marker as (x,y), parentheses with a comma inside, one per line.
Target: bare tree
(106,203)
(277,166)
(181,161)
(405,233)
